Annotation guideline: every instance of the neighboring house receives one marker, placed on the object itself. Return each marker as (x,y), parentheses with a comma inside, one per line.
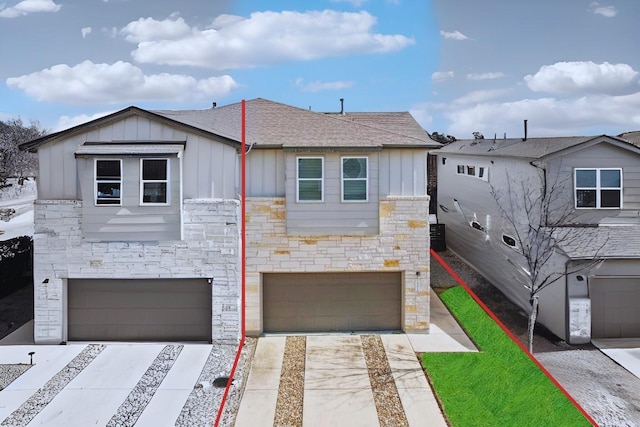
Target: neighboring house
(137,224)
(596,182)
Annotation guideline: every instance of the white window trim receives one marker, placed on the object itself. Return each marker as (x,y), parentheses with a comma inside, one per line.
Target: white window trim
(343,179)
(95,182)
(597,188)
(466,168)
(152,181)
(298,179)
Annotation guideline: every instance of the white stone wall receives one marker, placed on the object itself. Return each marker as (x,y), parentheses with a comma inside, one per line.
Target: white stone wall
(402,245)
(209,249)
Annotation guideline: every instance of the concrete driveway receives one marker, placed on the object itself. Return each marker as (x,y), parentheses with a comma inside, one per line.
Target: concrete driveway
(114,384)
(624,351)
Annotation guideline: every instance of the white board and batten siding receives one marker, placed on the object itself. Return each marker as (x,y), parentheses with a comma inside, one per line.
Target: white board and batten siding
(265,173)
(403,172)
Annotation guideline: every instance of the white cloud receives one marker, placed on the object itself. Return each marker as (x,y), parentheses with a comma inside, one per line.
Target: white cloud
(441,76)
(453,35)
(546,116)
(85,32)
(114,83)
(318,86)
(265,38)
(485,76)
(606,11)
(66,122)
(480,96)
(26,7)
(148,30)
(354,3)
(583,78)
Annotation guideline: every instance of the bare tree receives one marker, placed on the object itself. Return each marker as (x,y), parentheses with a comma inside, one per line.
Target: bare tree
(13,162)
(539,214)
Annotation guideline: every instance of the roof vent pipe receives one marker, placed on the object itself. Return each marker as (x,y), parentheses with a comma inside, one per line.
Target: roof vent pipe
(341,105)
(214,104)
(525,130)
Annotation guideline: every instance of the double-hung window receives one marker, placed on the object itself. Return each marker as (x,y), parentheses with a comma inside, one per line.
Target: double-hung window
(310,179)
(598,188)
(355,182)
(108,183)
(154,181)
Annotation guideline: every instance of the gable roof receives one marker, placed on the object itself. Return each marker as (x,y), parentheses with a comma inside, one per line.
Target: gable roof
(531,148)
(272,124)
(109,119)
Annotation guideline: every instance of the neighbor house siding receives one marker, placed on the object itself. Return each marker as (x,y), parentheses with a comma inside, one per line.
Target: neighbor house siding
(603,156)
(332,216)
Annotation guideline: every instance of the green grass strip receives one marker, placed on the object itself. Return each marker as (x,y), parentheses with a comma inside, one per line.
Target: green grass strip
(500,385)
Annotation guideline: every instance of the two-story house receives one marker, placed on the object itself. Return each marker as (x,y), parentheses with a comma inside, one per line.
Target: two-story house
(592,186)
(138,224)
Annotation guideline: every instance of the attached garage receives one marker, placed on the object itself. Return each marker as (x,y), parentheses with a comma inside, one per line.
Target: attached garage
(139,310)
(614,307)
(321,302)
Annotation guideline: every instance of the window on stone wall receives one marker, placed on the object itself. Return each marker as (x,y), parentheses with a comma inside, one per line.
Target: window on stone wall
(154,181)
(355,179)
(108,183)
(310,179)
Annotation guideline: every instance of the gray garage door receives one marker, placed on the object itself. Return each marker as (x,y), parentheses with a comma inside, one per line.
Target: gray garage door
(614,307)
(139,310)
(316,302)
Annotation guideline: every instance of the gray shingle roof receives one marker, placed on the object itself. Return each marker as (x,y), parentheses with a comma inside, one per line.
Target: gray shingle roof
(532,148)
(600,242)
(274,124)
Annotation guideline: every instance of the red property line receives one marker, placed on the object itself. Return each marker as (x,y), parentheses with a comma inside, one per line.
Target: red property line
(511,335)
(243,157)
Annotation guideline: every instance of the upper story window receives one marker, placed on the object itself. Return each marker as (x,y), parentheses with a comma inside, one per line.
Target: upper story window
(473,170)
(598,188)
(154,181)
(355,181)
(310,179)
(108,182)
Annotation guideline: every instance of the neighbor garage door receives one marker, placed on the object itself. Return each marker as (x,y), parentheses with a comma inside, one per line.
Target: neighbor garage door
(316,302)
(614,307)
(159,310)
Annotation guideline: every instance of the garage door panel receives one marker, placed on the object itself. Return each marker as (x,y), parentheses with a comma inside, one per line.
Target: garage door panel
(614,312)
(313,302)
(144,309)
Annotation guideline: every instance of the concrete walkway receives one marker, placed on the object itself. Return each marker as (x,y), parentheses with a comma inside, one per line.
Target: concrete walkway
(337,386)
(624,351)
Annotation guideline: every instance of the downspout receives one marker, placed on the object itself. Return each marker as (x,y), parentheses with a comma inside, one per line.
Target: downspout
(243,157)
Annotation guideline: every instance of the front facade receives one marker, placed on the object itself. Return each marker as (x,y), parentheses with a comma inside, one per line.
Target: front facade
(594,189)
(138,225)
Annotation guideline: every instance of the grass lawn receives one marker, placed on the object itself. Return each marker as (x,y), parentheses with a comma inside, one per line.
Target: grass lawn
(500,385)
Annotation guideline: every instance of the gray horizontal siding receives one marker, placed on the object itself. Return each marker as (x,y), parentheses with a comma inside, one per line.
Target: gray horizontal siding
(332,216)
(130,221)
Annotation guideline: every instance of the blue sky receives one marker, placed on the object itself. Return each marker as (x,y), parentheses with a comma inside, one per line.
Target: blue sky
(568,67)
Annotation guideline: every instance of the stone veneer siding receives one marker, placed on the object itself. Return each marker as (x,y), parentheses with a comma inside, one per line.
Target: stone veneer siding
(402,245)
(209,249)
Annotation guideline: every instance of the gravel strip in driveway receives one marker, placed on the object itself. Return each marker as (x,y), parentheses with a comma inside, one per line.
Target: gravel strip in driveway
(8,373)
(41,398)
(291,389)
(385,393)
(129,412)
